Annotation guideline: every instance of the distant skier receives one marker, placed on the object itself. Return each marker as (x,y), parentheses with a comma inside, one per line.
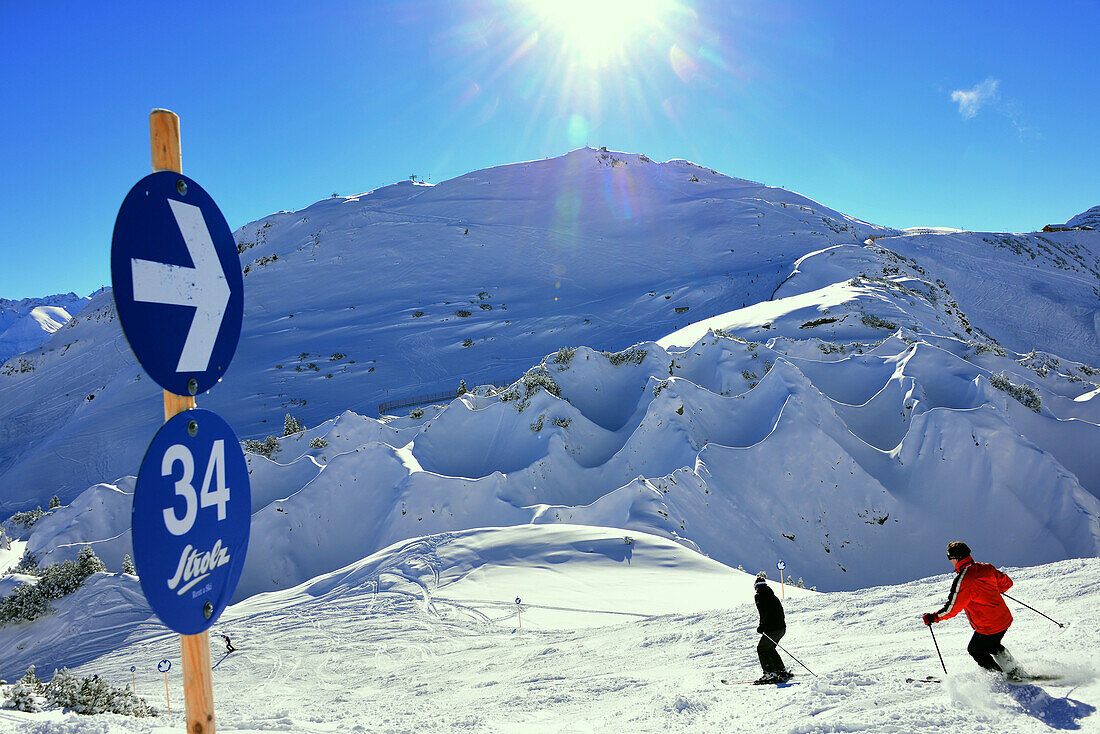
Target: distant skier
(228,645)
(772,625)
(977,590)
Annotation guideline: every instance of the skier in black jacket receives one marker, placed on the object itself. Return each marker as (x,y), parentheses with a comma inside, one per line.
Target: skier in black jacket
(772,625)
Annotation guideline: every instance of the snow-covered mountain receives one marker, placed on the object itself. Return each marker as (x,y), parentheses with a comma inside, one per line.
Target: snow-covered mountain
(26,323)
(706,359)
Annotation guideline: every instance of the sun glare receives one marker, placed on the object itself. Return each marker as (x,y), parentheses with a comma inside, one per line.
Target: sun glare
(598,31)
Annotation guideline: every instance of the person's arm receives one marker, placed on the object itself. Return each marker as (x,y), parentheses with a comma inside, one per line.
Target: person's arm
(957,599)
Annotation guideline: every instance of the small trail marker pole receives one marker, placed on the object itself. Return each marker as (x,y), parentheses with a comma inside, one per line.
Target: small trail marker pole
(133,678)
(164,666)
(198,683)
(782,588)
(519,616)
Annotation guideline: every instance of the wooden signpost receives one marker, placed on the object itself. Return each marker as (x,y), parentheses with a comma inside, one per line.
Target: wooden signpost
(198,682)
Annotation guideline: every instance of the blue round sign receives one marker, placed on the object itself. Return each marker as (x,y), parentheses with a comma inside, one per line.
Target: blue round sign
(164,665)
(781,565)
(191,520)
(133,668)
(177,282)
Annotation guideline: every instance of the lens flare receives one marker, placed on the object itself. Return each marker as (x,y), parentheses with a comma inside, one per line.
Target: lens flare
(597,31)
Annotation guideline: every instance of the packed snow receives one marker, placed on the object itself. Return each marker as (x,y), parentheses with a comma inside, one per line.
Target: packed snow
(426,635)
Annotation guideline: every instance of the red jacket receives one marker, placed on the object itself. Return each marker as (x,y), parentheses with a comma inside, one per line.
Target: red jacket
(977,590)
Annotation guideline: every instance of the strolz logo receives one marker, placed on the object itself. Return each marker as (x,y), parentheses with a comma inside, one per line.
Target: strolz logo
(195,566)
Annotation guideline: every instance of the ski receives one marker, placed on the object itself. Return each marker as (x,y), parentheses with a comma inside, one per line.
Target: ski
(1026,679)
(756,682)
(926,679)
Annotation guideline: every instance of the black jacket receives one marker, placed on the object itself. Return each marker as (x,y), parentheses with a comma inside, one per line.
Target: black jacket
(770,608)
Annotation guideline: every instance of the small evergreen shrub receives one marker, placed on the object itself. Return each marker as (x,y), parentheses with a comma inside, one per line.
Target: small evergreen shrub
(317,443)
(1024,394)
(128,565)
(29,602)
(55,502)
(268,447)
(93,696)
(563,356)
(462,389)
(28,518)
(418,413)
(634,355)
(878,323)
(562,422)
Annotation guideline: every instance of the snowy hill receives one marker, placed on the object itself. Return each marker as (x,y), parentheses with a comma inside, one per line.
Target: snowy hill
(26,323)
(1090,218)
(426,635)
(781,381)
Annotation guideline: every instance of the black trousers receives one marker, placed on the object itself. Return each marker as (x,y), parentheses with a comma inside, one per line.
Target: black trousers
(765,649)
(983,647)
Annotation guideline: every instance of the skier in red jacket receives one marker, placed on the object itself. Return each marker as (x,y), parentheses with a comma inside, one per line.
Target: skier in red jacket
(977,590)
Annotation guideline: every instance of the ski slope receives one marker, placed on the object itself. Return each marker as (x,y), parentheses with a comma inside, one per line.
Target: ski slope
(610,636)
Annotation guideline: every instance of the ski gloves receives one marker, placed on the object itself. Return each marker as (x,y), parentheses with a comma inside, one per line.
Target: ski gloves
(929,618)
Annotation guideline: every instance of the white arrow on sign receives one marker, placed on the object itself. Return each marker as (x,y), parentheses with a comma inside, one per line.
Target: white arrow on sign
(203,287)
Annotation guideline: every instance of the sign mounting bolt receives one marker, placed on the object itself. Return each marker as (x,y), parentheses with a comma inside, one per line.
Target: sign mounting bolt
(181,186)
(207,609)
(192,386)
(192,428)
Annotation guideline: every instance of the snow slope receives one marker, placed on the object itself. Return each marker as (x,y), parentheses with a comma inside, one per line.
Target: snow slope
(609,636)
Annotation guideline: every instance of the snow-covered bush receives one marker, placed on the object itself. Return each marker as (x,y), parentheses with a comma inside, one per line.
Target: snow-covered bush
(29,602)
(29,518)
(94,696)
(1024,394)
(268,447)
(55,502)
(877,322)
(26,694)
(417,413)
(562,422)
(563,356)
(128,565)
(634,355)
(317,443)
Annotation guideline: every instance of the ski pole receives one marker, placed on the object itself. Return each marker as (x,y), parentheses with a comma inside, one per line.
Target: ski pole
(937,648)
(788,652)
(1033,609)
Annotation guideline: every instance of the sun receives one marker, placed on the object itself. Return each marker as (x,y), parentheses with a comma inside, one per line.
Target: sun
(598,32)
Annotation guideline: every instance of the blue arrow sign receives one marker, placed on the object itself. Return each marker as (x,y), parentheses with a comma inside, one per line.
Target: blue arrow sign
(134,667)
(781,565)
(177,282)
(164,665)
(191,520)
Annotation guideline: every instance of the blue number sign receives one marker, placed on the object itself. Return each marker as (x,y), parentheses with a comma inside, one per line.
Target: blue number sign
(177,282)
(191,517)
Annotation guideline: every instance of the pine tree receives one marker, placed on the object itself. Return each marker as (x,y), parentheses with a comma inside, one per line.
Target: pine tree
(128,565)
(461,388)
(291,426)
(88,563)
(55,502)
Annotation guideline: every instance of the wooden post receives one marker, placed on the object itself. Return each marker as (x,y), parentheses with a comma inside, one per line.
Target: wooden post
(198,683)
(167,698)
(782,588)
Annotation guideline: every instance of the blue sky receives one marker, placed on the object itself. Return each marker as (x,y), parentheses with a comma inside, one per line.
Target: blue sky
(981,115)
